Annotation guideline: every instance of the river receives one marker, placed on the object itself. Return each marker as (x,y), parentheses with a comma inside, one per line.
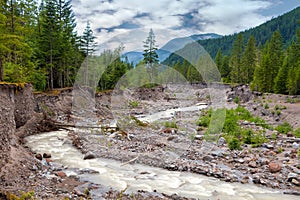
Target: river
(141,177)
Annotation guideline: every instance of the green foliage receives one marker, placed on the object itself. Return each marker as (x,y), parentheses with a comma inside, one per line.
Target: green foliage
(150,55)
(25,196)
(236,100)
(266,106)
(171,124)
(133,104)
(234,143)
(139,122)
(205,117)
(284,128)
(292,100)
(296,132)
(232,131)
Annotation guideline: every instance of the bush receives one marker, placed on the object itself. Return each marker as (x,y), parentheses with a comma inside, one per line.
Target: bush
(133,104)
(236,100)
(284,128)
(234,143)
(172,124)
(296,132)
(266,106)
(204,119)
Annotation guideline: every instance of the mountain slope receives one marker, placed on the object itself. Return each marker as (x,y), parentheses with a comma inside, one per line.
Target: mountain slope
(286,24)
(170,47)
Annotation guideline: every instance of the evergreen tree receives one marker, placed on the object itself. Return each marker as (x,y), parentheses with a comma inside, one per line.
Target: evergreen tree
(262,81)
(236,59)
(293,83)
(150,55)
(249,60)
(88,46)
(225,69)
(218,59)
(281,80)
(276,57)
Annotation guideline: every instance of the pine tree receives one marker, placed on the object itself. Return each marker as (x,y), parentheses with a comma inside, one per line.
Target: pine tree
(293,83)
(88,46)
(249,60)
(150,55)
(262,81)
(236,59)
(281,80)
(276,57)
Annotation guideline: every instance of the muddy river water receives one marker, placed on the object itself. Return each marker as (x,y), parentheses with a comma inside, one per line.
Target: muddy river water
(135,177)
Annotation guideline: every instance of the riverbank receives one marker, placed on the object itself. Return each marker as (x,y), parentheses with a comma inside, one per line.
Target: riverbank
(275,164)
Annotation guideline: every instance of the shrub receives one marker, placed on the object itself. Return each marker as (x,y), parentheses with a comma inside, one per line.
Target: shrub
(266,106)
(234,143)
(236,100)
(133,104)
(204,119)
(296,132)
(171,124)
(284,128)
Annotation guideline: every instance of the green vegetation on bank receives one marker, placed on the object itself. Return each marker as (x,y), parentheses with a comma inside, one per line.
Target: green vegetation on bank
(232,131)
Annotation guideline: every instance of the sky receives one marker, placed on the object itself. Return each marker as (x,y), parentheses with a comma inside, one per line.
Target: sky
(128,22)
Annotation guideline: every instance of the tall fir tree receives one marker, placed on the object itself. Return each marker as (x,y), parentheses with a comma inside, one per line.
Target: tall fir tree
(88,46)
(276,55)
(249,61)
(236,59)
(150,48)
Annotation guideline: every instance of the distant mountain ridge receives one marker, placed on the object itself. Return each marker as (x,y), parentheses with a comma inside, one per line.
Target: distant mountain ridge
(170,47)
(287,25)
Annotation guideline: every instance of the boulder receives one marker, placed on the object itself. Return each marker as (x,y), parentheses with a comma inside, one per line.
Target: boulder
(89,155)
(274,167)
(39,156)
(60,174)
(46,155)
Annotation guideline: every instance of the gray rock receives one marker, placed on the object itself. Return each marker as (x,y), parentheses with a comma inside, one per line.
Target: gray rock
(221,141)
(208,158)
(291,176)
(89,155)
(296,145)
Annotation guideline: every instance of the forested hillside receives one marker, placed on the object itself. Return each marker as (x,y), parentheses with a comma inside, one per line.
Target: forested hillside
(39,44)
(285,24)
(267,57)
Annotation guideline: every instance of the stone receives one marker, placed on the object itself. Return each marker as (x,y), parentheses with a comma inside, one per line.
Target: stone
(89,155)
(208,158)
(291,176)
(221,141)
(295,182)
(296,145)
(46,155)
(39,156)
(274,167)
(60,174)
(48,160)
(252,164)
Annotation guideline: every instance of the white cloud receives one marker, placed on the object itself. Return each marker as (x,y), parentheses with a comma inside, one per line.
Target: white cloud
(218,16)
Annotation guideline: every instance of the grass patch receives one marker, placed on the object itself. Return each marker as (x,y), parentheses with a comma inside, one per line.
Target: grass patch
(296,132)
(171,124)
(133,104)
(231,129)
(284,128)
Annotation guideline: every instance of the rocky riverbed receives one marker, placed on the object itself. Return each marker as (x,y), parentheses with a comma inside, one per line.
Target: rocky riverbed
(274,164)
